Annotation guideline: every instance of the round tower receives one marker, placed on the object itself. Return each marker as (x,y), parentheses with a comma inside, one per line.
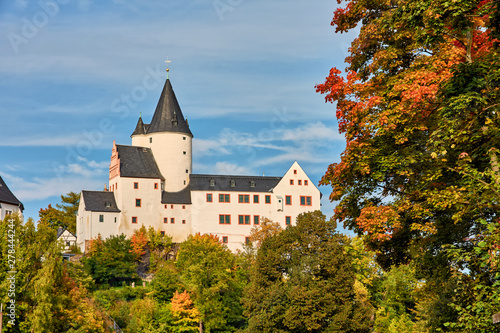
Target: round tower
(170,139)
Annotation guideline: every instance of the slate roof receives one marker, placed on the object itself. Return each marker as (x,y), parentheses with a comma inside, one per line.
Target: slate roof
(137,162)
(182,197)
(168,115)
(7,196)
(100,201)
(140,128)
(233,183)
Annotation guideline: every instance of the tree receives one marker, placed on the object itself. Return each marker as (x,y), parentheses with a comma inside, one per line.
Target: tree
(50,295)
(303,281)
(207,269)
(64,215)
(419,108)
(185,313)
(110,261)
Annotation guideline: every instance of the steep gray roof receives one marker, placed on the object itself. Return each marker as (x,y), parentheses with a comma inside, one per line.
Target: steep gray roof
(139,128)
(100,201)
(168,115)
(7,196)
(182,197)
(137,162)
(233,183)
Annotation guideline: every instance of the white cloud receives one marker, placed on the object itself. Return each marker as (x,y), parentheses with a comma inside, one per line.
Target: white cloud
(225,168)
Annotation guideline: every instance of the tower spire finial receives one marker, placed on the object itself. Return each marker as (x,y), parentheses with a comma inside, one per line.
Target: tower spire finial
(167,62)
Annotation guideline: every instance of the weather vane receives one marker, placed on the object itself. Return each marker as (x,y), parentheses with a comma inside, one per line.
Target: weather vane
(167,62)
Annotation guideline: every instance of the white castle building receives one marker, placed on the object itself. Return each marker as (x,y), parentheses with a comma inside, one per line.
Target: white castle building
(151,183)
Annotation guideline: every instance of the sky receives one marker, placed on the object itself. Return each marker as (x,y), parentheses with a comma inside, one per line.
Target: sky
(76,75)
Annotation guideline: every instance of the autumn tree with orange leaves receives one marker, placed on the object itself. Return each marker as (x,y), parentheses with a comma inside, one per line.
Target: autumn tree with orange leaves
(418,104)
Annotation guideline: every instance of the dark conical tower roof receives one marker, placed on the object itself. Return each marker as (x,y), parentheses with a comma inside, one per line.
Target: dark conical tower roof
(140,128)
(168,115)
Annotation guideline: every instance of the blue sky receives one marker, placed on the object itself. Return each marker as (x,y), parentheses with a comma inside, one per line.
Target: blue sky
(76,74)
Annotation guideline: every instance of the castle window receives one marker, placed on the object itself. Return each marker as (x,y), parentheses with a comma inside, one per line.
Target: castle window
(162,233)
(256,219)
(187,171)
(268,199)
(294,172)
(171,206)
(288,220)
(306,182)
(183,138)
(212,182)
(224,219)
(243,219)
(224,239)
(291,181)
(255,198)
(172,220)
(252,184)
(305,201)
(183,207)
(288,199)
(138,202)
(233,183)
(136,185)
(224,197)
(183,221)
(209,197)
(184,153)
(156,186)
(300,182)
(165,220)
(184,182)
(134,219)
(115,219)
(243,198)
(101,218)
(150,140)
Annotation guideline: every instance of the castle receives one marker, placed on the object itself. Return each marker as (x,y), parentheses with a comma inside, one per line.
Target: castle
(151,183)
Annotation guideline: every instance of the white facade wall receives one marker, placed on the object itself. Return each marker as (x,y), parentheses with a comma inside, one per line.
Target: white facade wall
(181,225)
(173,155)
(7,209)
(148,191)
(152,212)
(89,225)
(67,239)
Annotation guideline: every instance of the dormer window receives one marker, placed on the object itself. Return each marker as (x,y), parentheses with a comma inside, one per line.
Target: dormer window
(212,182)
(108,205)
(233,183)
(252,184)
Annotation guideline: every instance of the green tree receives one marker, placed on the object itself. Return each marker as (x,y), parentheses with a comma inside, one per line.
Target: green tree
(64,215)
(111,261)
(419,105)
(50,295)
(207,269)
(166,282)
(303,281)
